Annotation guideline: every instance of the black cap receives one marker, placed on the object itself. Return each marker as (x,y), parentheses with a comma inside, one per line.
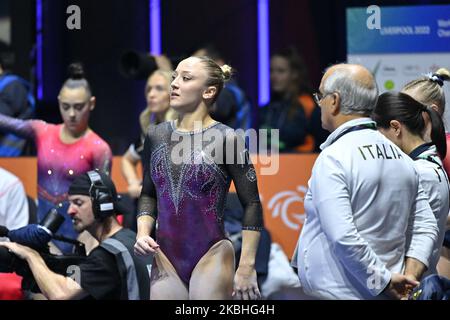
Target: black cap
(82,184)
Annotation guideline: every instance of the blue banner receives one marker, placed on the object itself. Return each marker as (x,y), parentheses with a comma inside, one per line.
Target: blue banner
(409,29)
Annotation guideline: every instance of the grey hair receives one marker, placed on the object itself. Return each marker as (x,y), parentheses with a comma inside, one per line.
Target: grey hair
(356,97)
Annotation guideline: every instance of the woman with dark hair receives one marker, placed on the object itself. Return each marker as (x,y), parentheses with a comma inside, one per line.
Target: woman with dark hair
(429,91)
(189,164)
(65,150)
(401,119)
(292,109)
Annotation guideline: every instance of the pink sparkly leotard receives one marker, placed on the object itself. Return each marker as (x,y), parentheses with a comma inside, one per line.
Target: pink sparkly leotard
(58,164)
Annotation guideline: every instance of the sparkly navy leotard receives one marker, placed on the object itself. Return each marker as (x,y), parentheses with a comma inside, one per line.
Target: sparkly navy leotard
(185,188)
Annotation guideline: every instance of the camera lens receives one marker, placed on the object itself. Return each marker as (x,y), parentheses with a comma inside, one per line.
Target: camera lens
(52,221)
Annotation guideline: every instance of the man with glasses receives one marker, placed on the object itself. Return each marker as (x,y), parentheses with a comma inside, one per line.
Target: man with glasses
(367,215)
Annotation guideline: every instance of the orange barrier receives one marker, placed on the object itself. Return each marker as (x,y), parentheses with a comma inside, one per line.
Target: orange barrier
(281,193)
(282,197)
(25,168)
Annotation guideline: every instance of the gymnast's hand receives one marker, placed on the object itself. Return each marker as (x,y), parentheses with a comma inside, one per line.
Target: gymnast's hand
(134,190)
(245,284)
(144,246)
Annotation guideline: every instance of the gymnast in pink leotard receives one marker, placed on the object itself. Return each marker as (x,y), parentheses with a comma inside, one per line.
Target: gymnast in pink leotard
(65,150)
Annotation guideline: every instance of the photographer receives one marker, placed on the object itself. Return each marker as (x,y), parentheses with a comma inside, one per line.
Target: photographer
(110,271)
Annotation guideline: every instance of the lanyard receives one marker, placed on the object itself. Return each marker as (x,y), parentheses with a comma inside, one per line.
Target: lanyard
(415,154)
(371,126)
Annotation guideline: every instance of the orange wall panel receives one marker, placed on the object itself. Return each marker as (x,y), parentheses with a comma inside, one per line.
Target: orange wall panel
(281,193)
(25,168)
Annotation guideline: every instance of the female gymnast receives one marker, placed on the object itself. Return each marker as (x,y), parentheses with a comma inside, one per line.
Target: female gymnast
(65,150)
(192,257)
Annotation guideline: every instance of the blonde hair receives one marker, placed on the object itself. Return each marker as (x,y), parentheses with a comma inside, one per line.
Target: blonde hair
(146,115)
(167,75)
(428,89)
(217,75)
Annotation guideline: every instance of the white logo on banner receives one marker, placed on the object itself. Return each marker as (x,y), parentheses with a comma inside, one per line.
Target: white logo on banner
(280,202)
(374,20)
(74,20)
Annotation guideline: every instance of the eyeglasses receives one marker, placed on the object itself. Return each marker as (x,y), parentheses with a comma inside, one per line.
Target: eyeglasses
(318,97)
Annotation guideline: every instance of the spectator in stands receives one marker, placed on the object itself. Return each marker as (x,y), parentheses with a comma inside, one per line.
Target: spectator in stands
(16,101)
(157,94)
(292,109)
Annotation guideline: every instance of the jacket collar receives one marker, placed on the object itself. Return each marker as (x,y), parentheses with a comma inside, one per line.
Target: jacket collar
(343,127)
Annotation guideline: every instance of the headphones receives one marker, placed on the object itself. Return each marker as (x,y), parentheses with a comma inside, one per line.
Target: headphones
(102,199)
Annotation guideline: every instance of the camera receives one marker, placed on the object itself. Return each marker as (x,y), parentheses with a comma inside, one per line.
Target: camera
(37,237)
